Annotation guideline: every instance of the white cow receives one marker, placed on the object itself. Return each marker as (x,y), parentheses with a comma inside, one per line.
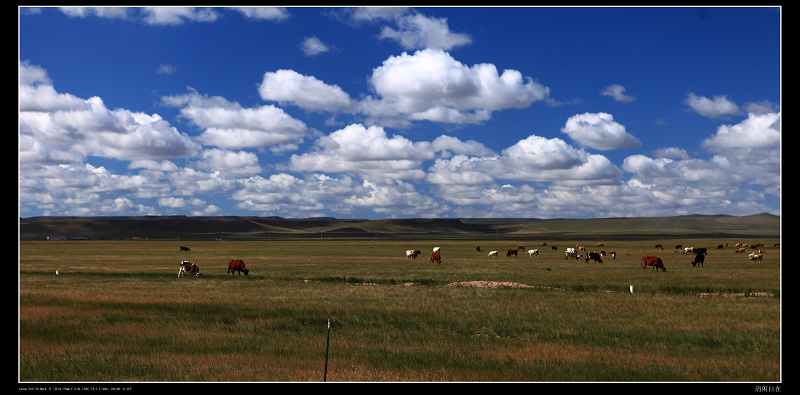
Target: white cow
(493,253)
(409,253)
(570,252)
(688,250)
(756,257)
(436,249)
(533,252)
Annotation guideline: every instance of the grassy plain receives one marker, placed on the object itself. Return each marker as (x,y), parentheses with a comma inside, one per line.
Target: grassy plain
(117,312)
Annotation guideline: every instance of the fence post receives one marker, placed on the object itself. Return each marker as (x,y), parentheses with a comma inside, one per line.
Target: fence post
(327,348)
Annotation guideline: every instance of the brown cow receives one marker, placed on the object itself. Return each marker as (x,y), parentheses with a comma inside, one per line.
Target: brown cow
(436,257)
(237,265)
(653,261)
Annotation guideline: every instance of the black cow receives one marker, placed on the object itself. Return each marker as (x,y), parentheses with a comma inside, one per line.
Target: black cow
(594,257)
(678,247)
(698,260)
(478,248)
(555,248)
(719,247)
(659,246)
(184,248)
(512,252)
(703,251)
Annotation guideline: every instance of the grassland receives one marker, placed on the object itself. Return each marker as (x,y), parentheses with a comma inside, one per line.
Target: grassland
(117,312)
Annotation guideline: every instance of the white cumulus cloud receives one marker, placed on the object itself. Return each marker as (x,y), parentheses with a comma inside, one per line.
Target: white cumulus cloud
(417,31)
(264,13)
(617,92)
(431,85)
(599,131)
(307,92)
(313,46)
(229,125)
(715,107)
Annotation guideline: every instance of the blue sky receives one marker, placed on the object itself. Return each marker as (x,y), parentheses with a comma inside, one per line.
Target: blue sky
(393,112)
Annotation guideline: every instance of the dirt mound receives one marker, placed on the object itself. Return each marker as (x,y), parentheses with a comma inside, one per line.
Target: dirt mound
(489,284)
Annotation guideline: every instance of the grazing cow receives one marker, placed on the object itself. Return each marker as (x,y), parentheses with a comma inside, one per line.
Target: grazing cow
(478,248)
(555,248)
(653,261)
(413,254)
(740,250)
(659,246)
(237,265)
(184,248)
(511,252)
(594,257)
(719,247)
(188,267)
(698,260)
(493,253)
(756,257)
(688,250)
(436,256)
(570,253)
(678,247)
(533,252)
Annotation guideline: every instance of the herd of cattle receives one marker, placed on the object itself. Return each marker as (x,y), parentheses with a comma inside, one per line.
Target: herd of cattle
(578,252)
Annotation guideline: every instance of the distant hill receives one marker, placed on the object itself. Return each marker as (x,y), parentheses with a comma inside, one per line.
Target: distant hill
(263,228)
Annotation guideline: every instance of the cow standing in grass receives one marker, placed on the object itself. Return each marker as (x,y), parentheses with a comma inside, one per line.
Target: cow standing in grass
(698,260)
(237,265)
(188,267)
(436,255)
(511,252)
(593,256)
(654,262)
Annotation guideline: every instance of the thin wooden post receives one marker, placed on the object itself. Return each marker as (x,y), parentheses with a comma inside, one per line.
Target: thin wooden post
(327,351)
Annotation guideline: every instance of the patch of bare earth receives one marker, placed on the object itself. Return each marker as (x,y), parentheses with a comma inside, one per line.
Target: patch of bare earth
(488,284)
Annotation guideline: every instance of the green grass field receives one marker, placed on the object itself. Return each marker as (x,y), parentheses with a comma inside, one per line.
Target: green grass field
(117,312)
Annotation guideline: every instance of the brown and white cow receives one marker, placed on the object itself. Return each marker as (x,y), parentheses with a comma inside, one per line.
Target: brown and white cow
(436,255)
(188,267)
